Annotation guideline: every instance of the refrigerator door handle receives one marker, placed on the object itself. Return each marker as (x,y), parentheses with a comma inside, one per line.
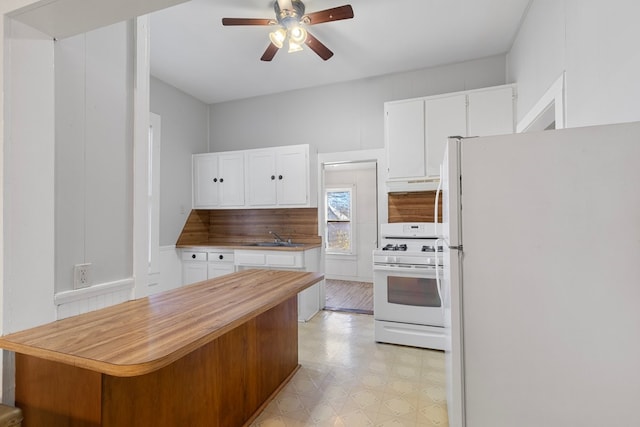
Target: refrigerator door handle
(438,280)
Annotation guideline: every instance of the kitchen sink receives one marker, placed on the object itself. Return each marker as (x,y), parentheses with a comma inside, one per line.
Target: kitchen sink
(277,244)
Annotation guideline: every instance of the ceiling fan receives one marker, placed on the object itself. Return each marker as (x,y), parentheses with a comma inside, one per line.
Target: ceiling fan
(292,22)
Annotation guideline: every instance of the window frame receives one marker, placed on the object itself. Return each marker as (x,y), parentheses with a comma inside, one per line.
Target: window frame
(351,189)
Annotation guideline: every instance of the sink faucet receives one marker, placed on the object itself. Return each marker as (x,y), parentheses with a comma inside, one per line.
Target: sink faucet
(277,239)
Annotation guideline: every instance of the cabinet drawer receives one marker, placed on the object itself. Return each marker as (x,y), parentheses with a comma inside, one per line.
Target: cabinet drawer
(220,257)
(194,256)
(269,259)
(284,260)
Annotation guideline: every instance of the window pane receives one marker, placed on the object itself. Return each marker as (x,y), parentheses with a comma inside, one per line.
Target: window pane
(339,236)
(338,205)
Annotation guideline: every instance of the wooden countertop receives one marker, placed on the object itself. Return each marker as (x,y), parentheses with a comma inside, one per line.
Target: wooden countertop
(239,245)
(141,336)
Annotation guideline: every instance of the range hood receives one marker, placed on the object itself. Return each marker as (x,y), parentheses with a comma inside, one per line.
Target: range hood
(412,184)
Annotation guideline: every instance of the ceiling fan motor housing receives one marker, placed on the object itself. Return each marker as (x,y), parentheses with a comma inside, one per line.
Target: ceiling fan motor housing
(289,17)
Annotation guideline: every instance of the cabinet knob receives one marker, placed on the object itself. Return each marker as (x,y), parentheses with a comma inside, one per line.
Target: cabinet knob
(221,180)
(279,176)
(215,179)
(273,177)
(220,256)
(193,256)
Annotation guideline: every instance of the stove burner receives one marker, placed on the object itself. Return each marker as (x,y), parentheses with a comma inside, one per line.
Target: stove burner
(391,247)
(428,248)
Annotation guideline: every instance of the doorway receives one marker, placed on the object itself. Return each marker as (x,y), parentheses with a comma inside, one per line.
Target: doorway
(348,219)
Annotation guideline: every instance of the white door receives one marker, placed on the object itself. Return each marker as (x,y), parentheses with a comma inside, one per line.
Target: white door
(405,139)
(292,178)
(205,180)
(231,179)
(445,117)
(261,177)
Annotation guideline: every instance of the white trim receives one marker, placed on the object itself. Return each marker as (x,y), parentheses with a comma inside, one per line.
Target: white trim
(351,188)
(141,122)
(93,291)
(554,96)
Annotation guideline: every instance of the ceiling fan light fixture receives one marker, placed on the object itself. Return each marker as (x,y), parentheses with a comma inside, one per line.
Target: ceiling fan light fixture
(278,37)
(294,47)
(297,34)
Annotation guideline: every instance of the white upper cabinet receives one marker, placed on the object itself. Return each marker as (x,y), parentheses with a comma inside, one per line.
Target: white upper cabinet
(218,180)
(491,112)
(405,136)
(416,131)
(445,117)
(261,178)
(292,180)
(278,176)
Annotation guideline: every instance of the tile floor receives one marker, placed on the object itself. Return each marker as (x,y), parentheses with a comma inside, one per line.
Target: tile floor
(348,380)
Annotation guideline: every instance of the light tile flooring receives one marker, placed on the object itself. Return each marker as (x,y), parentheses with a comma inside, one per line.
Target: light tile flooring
(348,380)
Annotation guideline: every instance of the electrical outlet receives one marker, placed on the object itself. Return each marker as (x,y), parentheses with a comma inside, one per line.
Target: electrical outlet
(81,276)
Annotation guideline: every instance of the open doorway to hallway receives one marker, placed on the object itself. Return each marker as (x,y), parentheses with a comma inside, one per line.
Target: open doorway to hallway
(350,230)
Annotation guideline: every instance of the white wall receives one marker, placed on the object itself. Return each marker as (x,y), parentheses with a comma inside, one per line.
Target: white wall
(596,43)
(28,180)
(28,198)
(94,154)
(185,128)
(339,117)
(362,177)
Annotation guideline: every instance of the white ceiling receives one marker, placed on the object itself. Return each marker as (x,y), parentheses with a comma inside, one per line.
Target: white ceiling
(191,50)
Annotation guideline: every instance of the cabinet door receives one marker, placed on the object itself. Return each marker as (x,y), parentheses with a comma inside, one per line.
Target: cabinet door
(261,178)
(405,139)
(217,270)
(292,180)
(205,181)
(231,180)
(193,272)
(491,112)
(445,117)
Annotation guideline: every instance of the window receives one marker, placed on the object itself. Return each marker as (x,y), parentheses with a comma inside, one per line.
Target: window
(339,226)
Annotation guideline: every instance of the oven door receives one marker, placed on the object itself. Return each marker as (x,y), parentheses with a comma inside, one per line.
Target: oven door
(407,295)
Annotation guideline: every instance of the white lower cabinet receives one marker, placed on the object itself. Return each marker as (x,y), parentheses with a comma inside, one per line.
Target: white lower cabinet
(220,263)
(309,260)
(199,266)
(194,267)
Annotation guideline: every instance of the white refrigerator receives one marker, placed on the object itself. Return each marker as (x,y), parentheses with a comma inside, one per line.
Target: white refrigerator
(542,278)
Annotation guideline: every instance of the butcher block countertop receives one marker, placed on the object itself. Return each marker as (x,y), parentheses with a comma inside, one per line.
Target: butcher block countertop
(141,336)
(240,245)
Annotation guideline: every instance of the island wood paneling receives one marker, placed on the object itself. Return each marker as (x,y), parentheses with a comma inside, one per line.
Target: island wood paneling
(236,226)
(413,207)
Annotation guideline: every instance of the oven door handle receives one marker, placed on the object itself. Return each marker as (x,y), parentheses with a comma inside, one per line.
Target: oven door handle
(401,269)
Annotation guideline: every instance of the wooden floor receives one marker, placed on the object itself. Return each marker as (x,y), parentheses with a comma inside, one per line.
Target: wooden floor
(354,297)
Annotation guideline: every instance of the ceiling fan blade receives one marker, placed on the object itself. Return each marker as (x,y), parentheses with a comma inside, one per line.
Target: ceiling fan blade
(246,21)
(271,51)
(318,47)
(333,14)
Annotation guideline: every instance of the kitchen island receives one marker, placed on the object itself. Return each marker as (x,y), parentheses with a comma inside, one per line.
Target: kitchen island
(209,354)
